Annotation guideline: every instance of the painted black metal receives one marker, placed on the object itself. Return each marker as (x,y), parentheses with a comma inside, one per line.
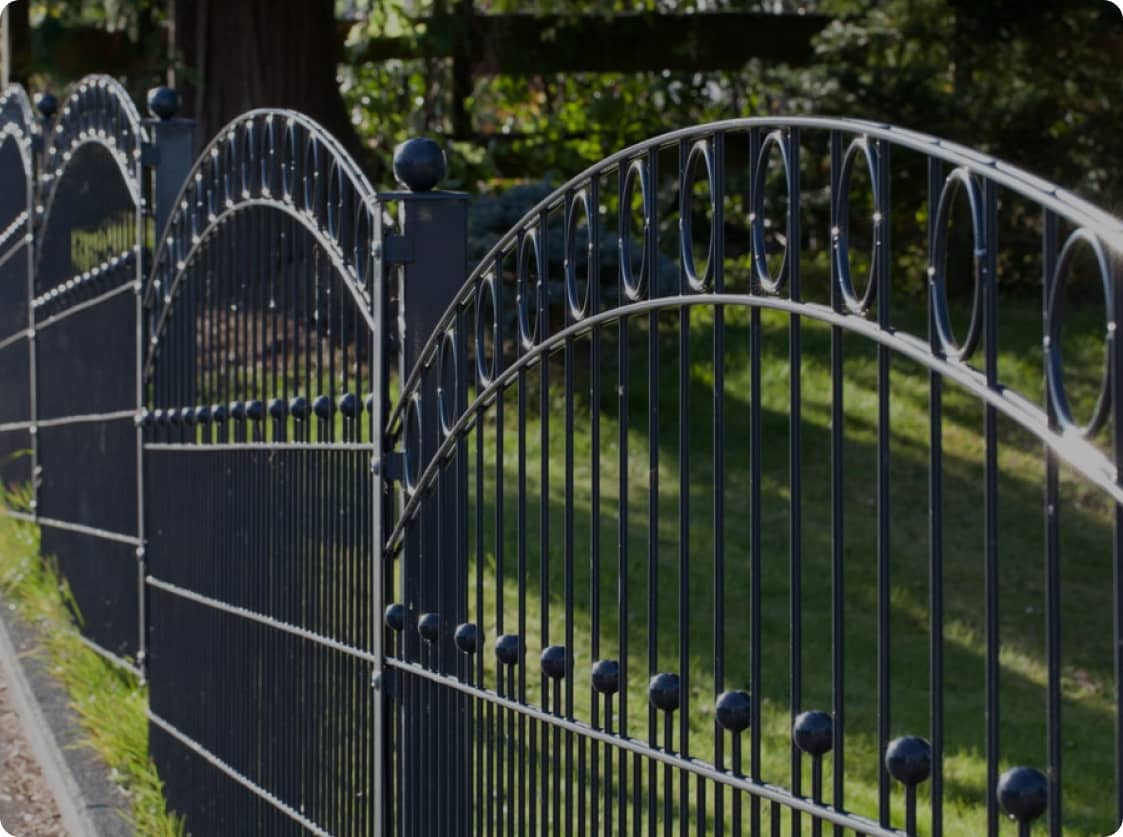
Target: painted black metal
(395,574)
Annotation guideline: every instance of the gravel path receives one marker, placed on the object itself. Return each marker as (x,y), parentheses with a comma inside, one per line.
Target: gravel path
(27,808)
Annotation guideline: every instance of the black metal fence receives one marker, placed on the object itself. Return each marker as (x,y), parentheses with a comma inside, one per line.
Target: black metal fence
(678,512)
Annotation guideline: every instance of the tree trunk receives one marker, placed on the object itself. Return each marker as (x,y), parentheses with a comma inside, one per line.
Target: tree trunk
(260,53)
(17,56)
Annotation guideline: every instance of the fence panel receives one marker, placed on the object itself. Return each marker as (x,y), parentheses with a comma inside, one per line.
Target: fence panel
(667,445)
(89,264)
(19,133)
(722,495)
(261,381)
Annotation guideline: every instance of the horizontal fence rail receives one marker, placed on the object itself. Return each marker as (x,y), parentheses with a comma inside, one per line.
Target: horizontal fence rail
(722,494)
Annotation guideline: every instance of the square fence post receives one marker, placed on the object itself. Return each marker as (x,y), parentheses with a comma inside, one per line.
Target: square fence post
(430,262)
(168,158)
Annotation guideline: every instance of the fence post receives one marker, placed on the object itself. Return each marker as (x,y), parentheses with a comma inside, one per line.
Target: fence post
(431,260)
(173,141)
(168,156)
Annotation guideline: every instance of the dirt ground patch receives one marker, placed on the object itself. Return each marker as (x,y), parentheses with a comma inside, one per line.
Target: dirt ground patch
(27,807)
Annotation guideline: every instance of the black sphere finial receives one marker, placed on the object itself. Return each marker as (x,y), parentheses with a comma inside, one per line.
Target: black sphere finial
(419,164)
(46,104)
(1023,793)
(909,759)
(163,102)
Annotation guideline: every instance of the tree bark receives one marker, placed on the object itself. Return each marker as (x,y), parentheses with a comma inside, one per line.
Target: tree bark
(260,53)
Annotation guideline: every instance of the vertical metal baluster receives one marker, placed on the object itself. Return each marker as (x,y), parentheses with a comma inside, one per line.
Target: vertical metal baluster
(795,460)
(1053,705)
(935,527)
(622,384)
(684,506)
(990,542)
(755,674)
(480,561)
(883,266)
(651,253)
(837,509)
(1116,384)
(592,294)
(718,237)
(502,788)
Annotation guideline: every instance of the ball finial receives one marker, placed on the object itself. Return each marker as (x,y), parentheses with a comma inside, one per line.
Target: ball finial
(46,104)
(1023,793)
(163,102)
(813,733)
(909,760)
(419,164)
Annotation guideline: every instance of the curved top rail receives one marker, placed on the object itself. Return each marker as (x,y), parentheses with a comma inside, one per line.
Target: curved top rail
(280,159)
(973,171)
(1048,195)
(17,120)
(97,110)
(15,109)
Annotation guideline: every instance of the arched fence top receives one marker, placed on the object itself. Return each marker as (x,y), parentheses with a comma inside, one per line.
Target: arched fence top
(855,145)
(19,126)
(285,161)
(17,118)
(97,110)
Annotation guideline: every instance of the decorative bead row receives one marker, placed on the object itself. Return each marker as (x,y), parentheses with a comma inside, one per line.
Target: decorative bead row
(1022,791)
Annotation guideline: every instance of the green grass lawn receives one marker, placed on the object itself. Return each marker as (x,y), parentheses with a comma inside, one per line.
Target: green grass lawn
(1086,566)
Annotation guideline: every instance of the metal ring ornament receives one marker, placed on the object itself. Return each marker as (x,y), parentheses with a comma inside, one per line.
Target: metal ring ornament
(214,187)
(411,443)
(246,163)
(447,383)
(334,199)
(528,328)
(1054,365)
(485,371)
(578,303)
(841,233)
(229,166)
(267,162)
(634,285)
(313,191)
(959,178)
(764,278)
(704,150)
(288,162)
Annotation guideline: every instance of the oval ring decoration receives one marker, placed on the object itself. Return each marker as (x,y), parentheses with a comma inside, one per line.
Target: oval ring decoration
(1054,367)
(528,328)
(702,150)
(267,164)
(310,176)
(247,158)
(288,162)
(633,285)
(486,369)
(447,373)
(411,443)
(841,233)
(958,179)
(764,278)
(578,302)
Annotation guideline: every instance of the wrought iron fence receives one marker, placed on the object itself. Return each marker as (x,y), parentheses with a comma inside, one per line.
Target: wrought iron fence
(679,512)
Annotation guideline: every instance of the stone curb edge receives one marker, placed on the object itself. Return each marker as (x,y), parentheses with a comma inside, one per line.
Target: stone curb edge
(81,816)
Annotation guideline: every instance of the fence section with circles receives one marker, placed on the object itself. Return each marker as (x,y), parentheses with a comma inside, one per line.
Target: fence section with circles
(691,440)
(723,494)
